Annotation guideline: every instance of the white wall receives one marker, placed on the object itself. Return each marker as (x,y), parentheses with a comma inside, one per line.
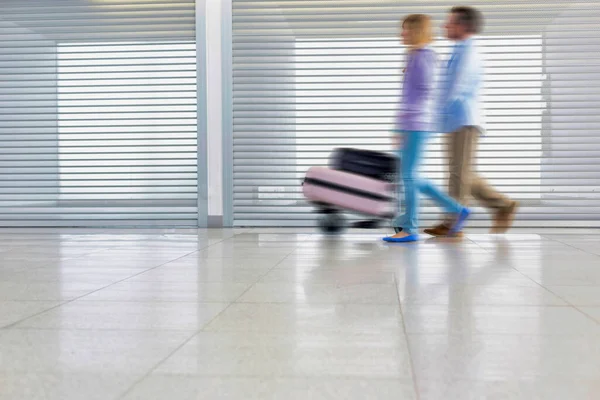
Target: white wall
(214,112)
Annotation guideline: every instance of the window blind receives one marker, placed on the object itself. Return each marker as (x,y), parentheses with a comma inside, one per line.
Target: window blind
(98,113)
(309,76)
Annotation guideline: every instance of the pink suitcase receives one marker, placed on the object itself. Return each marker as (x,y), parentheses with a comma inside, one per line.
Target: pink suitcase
(346,191)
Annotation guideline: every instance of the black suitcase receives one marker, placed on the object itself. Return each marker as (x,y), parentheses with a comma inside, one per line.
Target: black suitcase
(374,164)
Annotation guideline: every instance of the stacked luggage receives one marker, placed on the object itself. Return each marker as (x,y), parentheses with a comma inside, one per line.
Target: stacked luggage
(358,181)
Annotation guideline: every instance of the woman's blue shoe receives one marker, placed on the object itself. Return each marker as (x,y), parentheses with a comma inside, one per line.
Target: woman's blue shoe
(405,239)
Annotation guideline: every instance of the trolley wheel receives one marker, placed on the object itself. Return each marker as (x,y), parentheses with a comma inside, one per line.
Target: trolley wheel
(332,223)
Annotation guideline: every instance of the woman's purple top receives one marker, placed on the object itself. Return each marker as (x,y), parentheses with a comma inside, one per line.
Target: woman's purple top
(417,103)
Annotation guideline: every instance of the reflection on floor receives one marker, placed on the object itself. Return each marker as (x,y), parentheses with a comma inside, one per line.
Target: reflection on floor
(271,314)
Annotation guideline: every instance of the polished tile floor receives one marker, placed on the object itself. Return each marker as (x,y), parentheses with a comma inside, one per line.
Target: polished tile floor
(279,314)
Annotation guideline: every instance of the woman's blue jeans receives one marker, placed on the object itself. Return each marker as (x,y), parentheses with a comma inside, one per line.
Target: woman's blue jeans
(411,155)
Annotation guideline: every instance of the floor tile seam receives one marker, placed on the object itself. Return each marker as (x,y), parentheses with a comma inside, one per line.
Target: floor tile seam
(342,377)
(405,306)
(155,301)
(82,255)
(47,266)
(251,258)
(114,330)
(571,285)
(467,334)
(317,331)
(576,307)
(293,302)
(411,359)
(477,244)
(260,278)
(515,268)
(92,292)
(547,289)
(341,304)
(485,306)
(311,332)
(11,325)
(570,245)
(480,335)
(320,331)
(579,308)
(194,335)
(196,250)
(509,305)
(149,371)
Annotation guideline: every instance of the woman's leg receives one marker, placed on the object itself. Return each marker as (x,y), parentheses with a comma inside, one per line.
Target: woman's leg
(460,212)
(398,222)
(410,160)
(430,190)
(411,157)
(414,143)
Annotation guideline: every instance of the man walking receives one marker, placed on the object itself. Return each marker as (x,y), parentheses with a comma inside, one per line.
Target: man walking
(461,120)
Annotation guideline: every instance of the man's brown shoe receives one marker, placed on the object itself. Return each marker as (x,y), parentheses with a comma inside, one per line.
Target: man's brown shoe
(505,217)
(440,230)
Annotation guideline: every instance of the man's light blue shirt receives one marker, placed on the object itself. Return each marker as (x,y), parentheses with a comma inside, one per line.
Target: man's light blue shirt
(460,88)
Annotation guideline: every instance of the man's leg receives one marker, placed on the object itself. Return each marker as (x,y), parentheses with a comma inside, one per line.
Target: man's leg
(462,146)
(504,208)
(488,196)
(459,147)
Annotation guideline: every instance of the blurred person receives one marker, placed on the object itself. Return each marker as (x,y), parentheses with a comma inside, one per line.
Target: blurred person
(462,121)
(415,123)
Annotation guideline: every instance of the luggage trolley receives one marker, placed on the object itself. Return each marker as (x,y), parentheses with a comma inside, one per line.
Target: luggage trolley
(356,181)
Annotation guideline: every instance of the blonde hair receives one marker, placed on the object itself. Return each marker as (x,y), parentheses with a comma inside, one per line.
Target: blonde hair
(419,26)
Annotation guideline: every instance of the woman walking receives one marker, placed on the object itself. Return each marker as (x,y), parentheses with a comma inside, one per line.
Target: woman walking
(415,124)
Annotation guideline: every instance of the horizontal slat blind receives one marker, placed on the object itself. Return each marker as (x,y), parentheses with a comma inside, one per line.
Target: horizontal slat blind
(309,76)
(98,113)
